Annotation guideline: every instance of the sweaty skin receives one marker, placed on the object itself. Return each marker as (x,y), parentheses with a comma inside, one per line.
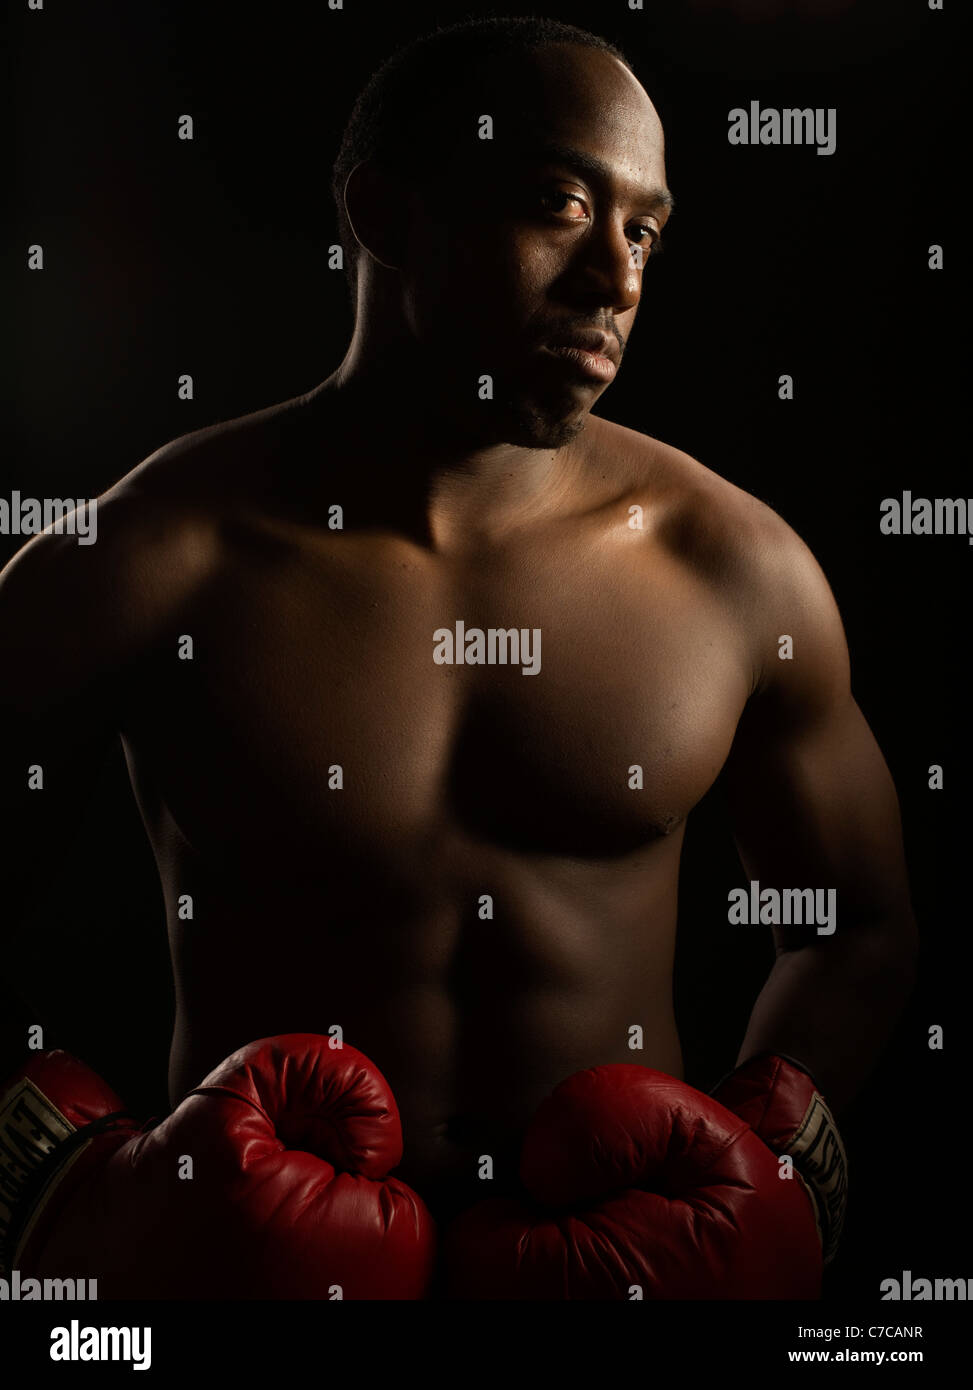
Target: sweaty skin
(312,649)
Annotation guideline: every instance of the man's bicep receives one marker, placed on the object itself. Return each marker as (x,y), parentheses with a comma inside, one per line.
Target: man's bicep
(812,799)
(56,699)
(814,806)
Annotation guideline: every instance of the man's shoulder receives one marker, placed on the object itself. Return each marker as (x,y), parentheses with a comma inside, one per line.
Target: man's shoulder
(210,465)
(154,535)
(151,543)
(743,550)
(177,501)
(699,513)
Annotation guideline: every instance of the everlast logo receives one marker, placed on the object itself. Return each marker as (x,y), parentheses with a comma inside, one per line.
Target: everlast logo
(30,1129)
(820,1158)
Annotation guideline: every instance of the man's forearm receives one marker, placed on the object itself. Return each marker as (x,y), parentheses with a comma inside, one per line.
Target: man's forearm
(832,1005)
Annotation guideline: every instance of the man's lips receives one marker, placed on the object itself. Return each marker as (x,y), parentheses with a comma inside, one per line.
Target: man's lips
(594,365)
(593,354)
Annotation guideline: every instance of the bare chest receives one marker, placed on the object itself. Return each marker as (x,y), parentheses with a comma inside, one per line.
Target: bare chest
(549,702)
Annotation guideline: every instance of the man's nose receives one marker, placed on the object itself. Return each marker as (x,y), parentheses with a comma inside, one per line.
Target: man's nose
(608,270)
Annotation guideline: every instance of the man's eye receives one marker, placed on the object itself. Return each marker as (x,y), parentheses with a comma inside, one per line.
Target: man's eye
(639,233)
(569,207)
(567,204)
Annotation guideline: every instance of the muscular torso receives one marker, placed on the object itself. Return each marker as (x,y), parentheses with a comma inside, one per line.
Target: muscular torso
(455,864)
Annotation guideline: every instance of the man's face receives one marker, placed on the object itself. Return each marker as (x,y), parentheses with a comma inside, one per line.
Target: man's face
(524,264)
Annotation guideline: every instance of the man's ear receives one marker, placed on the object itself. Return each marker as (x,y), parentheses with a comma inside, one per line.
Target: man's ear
(377,208)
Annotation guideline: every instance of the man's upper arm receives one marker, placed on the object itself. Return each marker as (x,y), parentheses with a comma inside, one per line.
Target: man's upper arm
(812,800)
(59,680)
(76,624)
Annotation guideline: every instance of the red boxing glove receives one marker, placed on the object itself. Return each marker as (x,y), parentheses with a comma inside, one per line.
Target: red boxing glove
(638,1185)
(268,1181)
(779,1101)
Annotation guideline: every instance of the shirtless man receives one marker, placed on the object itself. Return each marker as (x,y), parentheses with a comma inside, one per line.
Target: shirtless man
(357,898)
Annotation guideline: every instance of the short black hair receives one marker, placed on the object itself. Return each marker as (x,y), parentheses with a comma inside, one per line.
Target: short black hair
(395,110)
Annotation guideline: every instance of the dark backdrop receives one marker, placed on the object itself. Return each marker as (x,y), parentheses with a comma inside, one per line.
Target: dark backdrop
(164,257)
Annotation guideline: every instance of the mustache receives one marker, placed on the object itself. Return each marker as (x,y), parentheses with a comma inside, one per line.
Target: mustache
(554,331)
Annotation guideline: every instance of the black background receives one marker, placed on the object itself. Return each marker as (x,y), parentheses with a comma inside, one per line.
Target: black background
(210,257)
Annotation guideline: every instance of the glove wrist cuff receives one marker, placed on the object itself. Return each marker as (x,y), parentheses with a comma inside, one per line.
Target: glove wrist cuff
(779,1098)
(38,1144)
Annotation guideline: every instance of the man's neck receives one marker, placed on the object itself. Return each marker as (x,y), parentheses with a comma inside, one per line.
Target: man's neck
(424,461)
